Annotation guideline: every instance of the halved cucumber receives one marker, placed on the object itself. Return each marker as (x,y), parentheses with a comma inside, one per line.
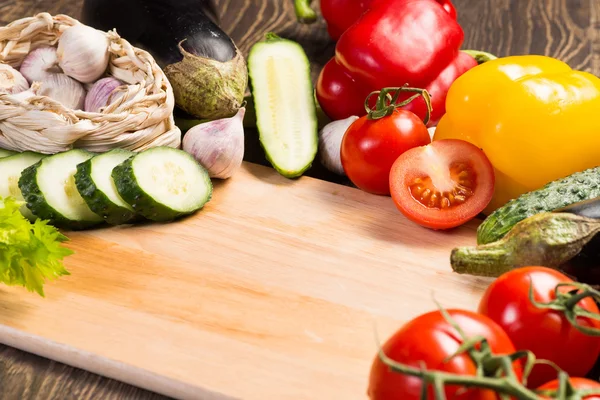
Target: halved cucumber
(11,168)
(50,191)
(6,153)
(283,95)
(163,183)
(96,186)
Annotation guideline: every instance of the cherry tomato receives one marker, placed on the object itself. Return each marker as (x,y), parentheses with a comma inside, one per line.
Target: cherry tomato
(578,384)
(426,342)
(370,147)
(442,185)
(546,333)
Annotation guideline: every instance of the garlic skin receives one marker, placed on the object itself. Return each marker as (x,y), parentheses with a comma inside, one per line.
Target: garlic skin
(102,94)
(83,53)
(11,80)
(218,145)
(63,89)
(330,144)
(39,64)
(26,94)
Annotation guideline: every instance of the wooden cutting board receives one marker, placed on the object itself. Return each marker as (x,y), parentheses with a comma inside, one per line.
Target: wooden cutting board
(272,291)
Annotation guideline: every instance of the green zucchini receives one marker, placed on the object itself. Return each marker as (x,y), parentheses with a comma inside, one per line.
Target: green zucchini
(283,94)
(574,188)
(50,191)
(163,183)
(11,168)
(96,186)
(6,153)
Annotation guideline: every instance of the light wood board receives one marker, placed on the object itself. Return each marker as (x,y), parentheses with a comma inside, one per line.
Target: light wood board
(272,291)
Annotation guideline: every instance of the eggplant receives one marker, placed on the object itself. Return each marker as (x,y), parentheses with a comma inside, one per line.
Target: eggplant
(206,69)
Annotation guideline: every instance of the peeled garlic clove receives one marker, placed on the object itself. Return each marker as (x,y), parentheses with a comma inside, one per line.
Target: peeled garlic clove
(39,64)
(330,144)
(218,145)
(11,80)
(65,90)
(83,53)
(101,94)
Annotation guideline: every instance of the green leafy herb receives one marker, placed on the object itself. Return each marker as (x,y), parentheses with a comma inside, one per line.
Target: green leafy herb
(30,253)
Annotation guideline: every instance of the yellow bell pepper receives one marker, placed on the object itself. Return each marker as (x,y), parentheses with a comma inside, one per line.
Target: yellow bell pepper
(535,118)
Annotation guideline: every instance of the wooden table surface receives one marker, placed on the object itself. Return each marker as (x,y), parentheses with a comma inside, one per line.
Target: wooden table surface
(566,29)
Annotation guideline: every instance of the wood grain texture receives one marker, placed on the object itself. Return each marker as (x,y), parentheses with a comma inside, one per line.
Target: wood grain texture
(569,29)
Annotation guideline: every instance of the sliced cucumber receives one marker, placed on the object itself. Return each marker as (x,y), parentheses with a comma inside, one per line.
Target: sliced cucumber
(163,183)
(283,94)
(96,186)
(50,191)
(6,153)
(11,168)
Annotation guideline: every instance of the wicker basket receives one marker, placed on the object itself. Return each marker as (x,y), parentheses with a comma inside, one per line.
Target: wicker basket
(140,119)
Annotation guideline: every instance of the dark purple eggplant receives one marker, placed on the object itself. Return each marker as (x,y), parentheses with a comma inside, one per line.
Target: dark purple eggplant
(207,71)
(587,208)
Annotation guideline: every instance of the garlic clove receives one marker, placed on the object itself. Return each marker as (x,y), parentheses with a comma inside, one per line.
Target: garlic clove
(64,89)
(11,80)
(39,64)
(83,53)
(102,93)
(218,145)
(330,144)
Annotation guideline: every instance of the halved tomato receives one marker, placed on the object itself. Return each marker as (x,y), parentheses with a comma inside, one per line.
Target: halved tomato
(442,185)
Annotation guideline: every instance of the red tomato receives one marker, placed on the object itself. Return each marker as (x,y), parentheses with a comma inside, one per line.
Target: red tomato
(442,185)
(370,147)
(546,333)
(577,383)
(426,342)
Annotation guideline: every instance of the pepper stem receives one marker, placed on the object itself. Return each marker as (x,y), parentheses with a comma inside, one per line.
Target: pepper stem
(480,56)
(386,103)
(304,13)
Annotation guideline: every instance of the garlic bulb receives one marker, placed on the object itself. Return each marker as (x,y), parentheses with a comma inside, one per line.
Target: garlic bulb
(218,145)
(83,53)
(39,64)
(11,80)
(31,92)
(330,144)
(65,90)
(101,94)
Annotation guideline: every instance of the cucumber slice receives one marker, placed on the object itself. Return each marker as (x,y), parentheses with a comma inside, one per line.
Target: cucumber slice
(96,186)
(11,168)
(50,191)
(283,94)
(6,153)
(163,183)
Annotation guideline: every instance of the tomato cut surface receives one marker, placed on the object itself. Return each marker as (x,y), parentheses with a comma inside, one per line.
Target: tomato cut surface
(442,185)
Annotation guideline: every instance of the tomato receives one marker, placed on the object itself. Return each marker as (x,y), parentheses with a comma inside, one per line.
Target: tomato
(442,185)
(370,147)
(546,333)
(427,341)
(576,383)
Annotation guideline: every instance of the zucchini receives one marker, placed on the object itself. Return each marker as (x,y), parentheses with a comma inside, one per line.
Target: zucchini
(11,168)
(286,116)
(96,186)
(6,153)
(50,191)
(572,189)
(163,183)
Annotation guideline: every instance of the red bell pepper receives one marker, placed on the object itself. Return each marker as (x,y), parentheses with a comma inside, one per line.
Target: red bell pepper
(395,43)
(341,14)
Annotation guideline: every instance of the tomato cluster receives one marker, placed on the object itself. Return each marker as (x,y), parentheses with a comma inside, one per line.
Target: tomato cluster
(438,185)
(513,315)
